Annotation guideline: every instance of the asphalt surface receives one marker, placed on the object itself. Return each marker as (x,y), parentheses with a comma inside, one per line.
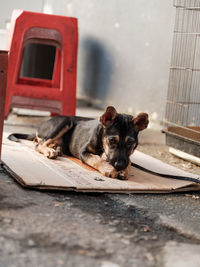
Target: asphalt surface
(71,229)
(56,228)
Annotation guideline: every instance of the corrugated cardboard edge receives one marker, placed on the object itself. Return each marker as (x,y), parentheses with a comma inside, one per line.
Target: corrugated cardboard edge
(191,187)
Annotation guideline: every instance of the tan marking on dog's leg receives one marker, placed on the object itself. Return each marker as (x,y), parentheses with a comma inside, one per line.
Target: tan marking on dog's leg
(92,160)
(35,140)
(46,147)
(104,157)
(59,150)
(101,165)
(52,145)
(48,152)
(105,146)
(91,149)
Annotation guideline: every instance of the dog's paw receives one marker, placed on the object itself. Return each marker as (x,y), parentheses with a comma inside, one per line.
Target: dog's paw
(109,171)
(58,149)
(106,169)
(51,153)
(123,175)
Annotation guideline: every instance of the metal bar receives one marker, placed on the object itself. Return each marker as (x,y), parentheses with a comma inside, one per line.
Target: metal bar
(183,68)
(186,33)
(184,103)
(3,80)
(180,126)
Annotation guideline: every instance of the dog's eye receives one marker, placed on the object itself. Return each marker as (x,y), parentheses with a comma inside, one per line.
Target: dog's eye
(112,141)
(130,142)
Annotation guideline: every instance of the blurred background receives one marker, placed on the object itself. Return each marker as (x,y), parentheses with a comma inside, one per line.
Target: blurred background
(124,49)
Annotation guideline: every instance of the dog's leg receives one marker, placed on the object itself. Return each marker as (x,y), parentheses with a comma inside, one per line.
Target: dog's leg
(57,146)
(43,148)
(100,164)
(50,146)
(103,166)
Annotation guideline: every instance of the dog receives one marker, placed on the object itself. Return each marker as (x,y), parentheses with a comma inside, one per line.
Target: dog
(106,145)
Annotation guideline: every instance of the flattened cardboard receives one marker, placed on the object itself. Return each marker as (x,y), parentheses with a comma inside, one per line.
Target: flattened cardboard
(34,170)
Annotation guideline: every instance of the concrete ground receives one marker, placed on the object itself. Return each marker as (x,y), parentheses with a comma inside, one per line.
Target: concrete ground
(54,228)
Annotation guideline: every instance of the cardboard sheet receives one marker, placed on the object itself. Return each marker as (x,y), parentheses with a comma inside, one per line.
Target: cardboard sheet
(34,170)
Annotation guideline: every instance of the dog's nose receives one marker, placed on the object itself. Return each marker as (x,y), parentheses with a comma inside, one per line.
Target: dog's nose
(120,164)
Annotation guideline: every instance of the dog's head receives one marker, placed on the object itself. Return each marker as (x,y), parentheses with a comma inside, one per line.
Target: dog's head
(120,137)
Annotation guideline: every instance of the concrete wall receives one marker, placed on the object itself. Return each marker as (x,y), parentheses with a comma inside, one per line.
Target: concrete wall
(6,11)
(124,49)
(7,7)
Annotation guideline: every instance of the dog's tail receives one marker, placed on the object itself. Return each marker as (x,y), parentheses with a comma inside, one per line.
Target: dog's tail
(17,136)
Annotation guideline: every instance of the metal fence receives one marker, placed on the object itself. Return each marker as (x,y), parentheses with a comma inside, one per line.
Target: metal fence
(182,116)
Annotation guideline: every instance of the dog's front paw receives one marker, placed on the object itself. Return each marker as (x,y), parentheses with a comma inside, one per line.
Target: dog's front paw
(106,169)
(112,173)
(123,175)
(47,151)
(51,153)
(57,148)
(109,171)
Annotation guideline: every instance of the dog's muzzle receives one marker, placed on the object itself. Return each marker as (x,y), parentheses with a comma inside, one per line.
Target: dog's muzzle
(120,164)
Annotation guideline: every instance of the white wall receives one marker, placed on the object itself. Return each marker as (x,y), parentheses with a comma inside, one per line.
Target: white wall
(8,5)
(6,11)
(124,49)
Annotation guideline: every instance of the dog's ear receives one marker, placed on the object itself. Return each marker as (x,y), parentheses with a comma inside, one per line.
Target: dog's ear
(141,121)
(108,117)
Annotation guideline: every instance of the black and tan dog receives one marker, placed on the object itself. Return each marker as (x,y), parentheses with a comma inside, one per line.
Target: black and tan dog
(105,145)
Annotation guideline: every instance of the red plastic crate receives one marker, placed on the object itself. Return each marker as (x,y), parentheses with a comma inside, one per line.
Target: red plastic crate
(57,95)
